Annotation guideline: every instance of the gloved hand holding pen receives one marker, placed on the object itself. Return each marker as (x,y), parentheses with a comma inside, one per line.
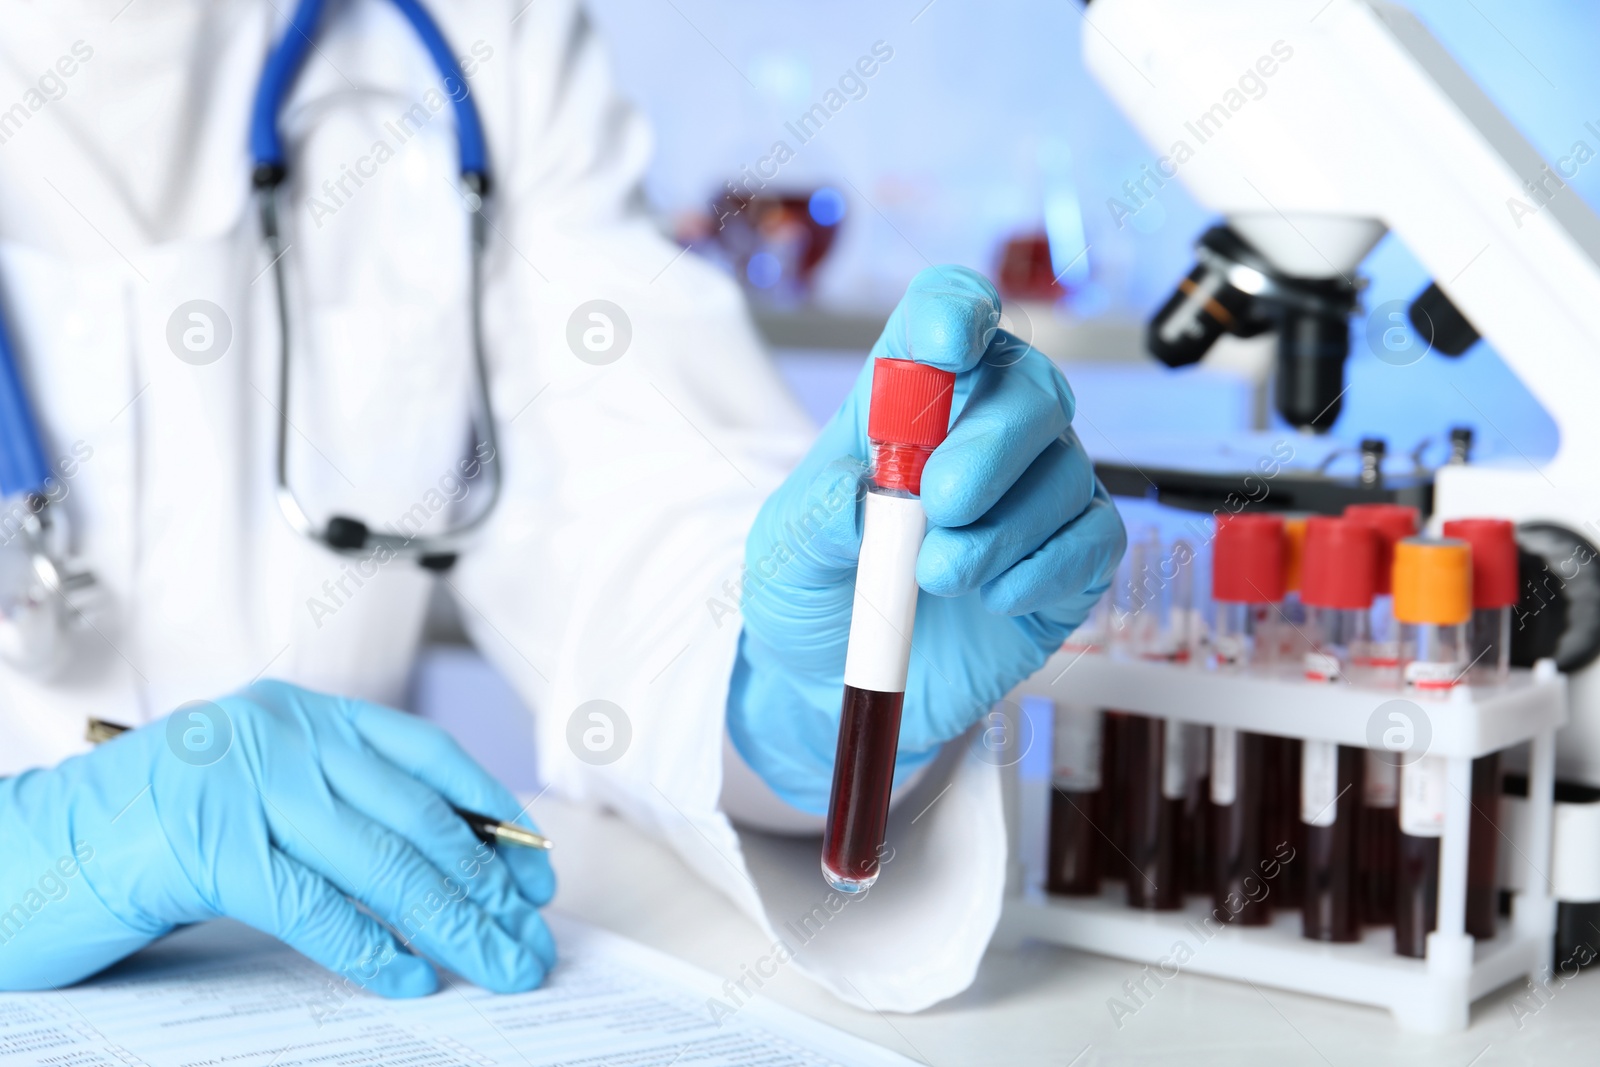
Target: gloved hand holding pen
(290,806)
(1021,541)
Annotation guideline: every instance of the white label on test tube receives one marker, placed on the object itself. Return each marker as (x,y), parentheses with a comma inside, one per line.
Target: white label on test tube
(1319,782)
(886,594)
(1175,761)
(1421,675)
(1321,667)
(1076,747)
(1231,649)
(1382,789)
(1224,765)
(1423,785)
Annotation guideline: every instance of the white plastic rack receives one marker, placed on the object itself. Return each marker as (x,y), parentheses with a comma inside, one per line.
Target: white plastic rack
(1432,994)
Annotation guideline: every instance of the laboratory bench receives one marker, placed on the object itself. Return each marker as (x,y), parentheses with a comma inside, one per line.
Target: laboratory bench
(1032,1004)
(1038,1004)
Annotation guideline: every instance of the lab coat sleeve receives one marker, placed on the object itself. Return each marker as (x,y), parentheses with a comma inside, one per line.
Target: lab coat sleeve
(637,447)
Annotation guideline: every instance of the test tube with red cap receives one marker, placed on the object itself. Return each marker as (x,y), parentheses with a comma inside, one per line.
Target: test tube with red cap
(908,418)
(1338,581)
(1494,594)
(1392,523)
(1246,583)
(1433,604)
(1381,666)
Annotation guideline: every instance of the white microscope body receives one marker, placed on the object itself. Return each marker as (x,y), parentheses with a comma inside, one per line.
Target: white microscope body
(1364,125)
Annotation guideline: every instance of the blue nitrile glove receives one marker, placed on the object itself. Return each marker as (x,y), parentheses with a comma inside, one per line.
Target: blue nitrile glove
(1022,540)
(275,806)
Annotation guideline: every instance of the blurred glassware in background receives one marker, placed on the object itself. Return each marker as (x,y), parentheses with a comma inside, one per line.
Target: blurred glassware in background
(944,158)
(772,242)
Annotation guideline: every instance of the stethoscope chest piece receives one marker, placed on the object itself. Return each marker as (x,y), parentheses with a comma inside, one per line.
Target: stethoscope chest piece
(41,605)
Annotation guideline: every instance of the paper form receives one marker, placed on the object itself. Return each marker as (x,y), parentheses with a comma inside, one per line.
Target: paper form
(226,996)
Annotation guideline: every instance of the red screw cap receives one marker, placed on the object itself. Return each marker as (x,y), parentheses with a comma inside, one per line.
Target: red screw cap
(1341,565)
(908,418)
(1494,559)
(1247,559)
(1394,523)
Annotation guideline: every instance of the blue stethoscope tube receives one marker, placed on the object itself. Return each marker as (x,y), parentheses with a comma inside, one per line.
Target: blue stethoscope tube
(34,613)
(22,465)
(23,468)
(343,533)
(285,61)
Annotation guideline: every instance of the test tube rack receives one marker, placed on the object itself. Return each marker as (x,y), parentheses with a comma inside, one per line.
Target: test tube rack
(1433,994)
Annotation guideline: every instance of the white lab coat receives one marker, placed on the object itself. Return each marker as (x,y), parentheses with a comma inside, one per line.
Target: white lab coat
(629,487)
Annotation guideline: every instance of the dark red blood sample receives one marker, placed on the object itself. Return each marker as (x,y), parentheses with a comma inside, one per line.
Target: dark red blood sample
(1483,896)
(1074,862)
(1151,819)
(1114,787)
(1416,909)
(1281,826)
(1380,850)
(863,777)
(1077,820)
(1329,898)
(1194,846)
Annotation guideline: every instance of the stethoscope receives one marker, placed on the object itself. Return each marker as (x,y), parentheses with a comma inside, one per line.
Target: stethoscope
(38,589)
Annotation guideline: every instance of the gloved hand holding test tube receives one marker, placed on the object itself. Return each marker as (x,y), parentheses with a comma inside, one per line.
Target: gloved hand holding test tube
(1020,542)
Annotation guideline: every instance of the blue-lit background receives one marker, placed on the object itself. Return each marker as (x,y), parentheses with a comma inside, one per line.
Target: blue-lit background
(983,124)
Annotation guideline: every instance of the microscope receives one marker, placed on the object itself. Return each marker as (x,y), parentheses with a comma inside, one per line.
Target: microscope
(1314,127)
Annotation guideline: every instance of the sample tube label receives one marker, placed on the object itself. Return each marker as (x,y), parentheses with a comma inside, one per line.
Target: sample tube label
(1423,785)
(1076,748)
(1420,675)
(1224,765)
(1321,667)
(886,594)
(1382,788)
(1319,782)
(1231,649)
(1177,764)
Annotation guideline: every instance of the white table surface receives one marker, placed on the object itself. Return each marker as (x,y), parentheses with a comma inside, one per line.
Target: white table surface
(1041,1004)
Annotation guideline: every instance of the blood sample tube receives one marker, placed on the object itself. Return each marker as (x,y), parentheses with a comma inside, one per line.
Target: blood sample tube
(1153,881)
(1433,604)
(1186,770)
(1120,642)
(908,418)
(1380,831)
(1246,583)
(1076,773)
(1340,580)
(1283,754)
(1159,771)
(1494,594)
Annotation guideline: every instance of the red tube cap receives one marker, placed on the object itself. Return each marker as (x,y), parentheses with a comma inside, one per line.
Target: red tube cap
(1341,564)
(908,418)
(1494,559)
(1394,523)
(910,403)
(1247,559)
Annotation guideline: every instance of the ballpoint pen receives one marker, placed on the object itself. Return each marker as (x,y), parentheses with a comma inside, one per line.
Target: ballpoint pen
(490,831)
